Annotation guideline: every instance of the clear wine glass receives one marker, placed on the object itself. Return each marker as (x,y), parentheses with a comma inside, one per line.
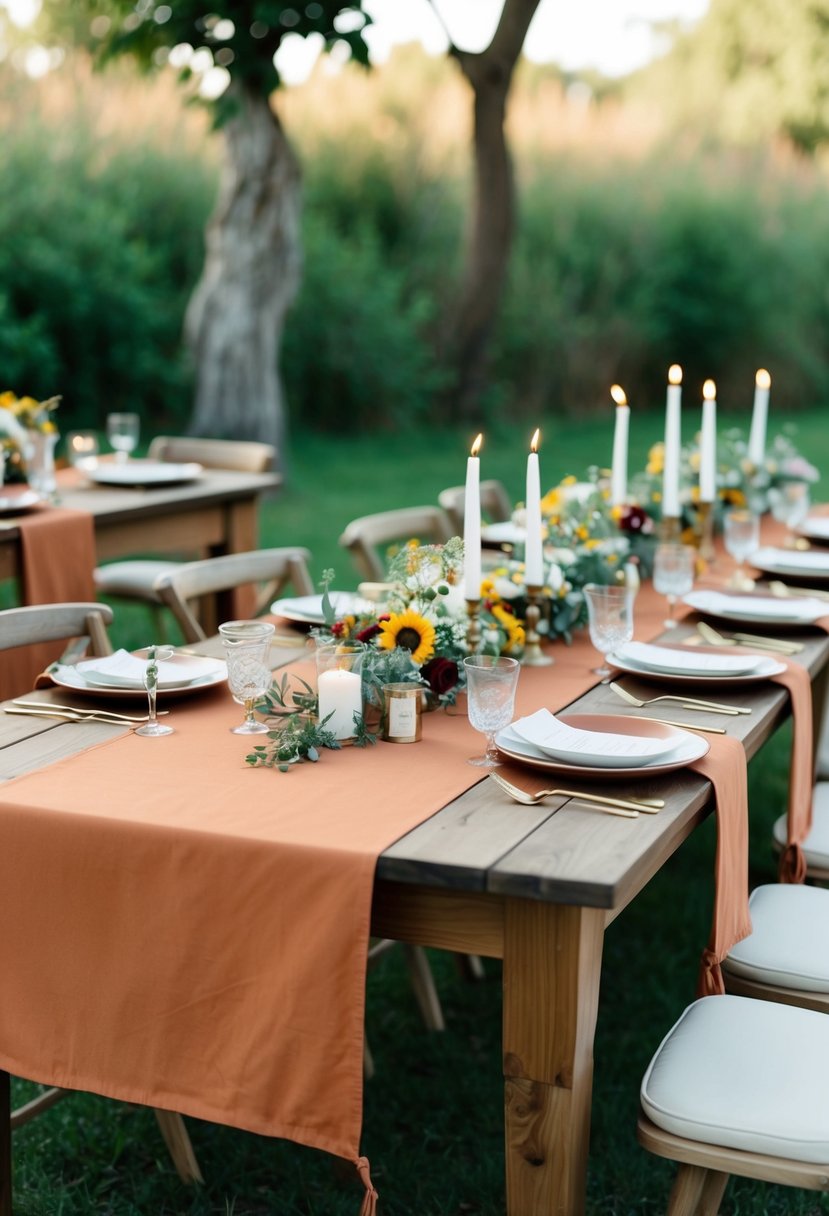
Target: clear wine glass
(247,650)
(790,504)
(153,656)
(741,535)
(122,433)
(490,687)
(610,619)
(673,575)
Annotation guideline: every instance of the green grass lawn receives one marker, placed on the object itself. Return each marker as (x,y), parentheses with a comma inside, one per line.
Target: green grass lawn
(433,1113)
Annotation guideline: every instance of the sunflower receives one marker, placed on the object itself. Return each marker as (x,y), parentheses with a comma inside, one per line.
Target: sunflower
(511,626)
(410,631)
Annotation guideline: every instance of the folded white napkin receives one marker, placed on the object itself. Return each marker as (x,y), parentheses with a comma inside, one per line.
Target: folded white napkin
(125,670)
(816,525)
(756,607)
(604,749)
(683,662)
(792,559)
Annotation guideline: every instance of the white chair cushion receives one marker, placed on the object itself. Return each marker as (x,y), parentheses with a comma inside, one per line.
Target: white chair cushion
(744,1074)
(132,579)
(789,941)
(816,844)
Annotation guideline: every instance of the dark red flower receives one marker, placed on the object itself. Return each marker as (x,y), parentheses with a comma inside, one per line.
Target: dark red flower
(634,519)
(440,674)
(365,635)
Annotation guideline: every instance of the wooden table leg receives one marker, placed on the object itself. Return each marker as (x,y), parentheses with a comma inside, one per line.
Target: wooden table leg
(240,536)
(5,1145)
(552,965)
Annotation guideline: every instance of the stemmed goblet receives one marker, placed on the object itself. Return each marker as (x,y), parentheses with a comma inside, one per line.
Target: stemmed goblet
(490,684)
(610,619)
(247,647)
(122,433)
(673,575)
(741,535)
(153,655)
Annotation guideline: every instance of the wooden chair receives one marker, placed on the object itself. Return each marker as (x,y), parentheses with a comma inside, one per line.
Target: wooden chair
(816,844)
(135,579)
(429,525)
(50,623)
(738,1087)
(495,503)
(190,580)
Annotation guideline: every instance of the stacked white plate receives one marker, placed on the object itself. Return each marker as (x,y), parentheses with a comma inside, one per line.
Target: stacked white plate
(144,473)
(307,609)
(644,658)
(122,674)
(816,527)
(814,563)
(759,609)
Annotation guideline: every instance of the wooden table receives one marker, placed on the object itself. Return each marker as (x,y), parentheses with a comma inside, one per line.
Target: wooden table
(204,518)
(536,888)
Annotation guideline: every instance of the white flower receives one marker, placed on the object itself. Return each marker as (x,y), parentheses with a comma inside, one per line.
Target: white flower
(11,428)
(555,578)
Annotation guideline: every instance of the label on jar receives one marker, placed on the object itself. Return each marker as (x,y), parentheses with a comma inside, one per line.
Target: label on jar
(403,717)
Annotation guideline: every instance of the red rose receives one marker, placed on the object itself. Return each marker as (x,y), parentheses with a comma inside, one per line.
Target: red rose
(440,674)
(365,635)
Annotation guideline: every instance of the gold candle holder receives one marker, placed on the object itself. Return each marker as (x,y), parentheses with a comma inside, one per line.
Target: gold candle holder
(670,530)
(533,655)
(705,512)
(473,626)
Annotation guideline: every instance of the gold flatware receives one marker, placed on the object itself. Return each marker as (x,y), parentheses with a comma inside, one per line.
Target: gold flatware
(713,707)
(708,730)
(63,715)
(613,806)
(99,713)
(783,591)
(710,635)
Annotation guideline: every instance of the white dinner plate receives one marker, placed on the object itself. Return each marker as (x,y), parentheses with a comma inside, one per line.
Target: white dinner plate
(673,660)
(812,564)
(816,527)
(766,668)
(557,739)
(138,473)
(14,499)
(307,609)
(195,674)
(689,747)
(756,609)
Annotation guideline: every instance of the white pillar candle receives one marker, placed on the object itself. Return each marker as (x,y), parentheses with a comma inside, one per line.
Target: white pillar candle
(670,473)
(472,525)
(708,444)
(340,694)
(619,464)
(533,558)
(759,418)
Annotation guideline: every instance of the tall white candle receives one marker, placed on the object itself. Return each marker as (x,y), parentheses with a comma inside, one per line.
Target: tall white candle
(670,473)
(619,464)
(708,444)
(340,694)
(472,524)
(759,418)
(533,558)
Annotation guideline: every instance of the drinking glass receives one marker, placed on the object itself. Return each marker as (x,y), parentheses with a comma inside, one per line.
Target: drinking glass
(153,655)
(790,504)
(122,433)
(673,575)
(741,534)
(490,687)
(247,650)
(82,449)
(610,619)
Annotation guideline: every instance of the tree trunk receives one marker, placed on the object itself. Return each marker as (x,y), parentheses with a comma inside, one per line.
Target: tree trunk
(490,241)
(251,274)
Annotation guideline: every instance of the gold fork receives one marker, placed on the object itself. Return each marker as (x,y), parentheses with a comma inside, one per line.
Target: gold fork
(628,808)
(65,715)
(98,713)
(783,591)
(748,639)
(713,707)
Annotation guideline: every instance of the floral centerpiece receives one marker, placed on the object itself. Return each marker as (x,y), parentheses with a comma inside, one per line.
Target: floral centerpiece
(23,421)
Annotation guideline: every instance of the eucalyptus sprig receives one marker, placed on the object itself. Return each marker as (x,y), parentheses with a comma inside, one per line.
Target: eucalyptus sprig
(281,700)
(300,737)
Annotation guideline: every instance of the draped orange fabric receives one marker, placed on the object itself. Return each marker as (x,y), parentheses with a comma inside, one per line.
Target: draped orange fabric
(199,938)
(795,679)
(57,551)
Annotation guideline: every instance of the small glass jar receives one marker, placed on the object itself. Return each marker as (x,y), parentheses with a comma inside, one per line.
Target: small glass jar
(402,711)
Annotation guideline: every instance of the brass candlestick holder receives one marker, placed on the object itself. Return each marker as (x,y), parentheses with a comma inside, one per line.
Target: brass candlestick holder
(473,626)
(670,530)
(533,655)
(705,511)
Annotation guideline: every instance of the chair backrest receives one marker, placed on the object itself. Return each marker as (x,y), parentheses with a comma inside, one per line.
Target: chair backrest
(429,525)
(54,622)
(276,567)
(495,503)
(242,456)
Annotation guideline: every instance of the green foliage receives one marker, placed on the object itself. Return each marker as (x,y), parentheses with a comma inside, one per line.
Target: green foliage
(99,247)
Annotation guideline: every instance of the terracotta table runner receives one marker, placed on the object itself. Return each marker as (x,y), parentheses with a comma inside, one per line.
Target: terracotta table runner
(57,560)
